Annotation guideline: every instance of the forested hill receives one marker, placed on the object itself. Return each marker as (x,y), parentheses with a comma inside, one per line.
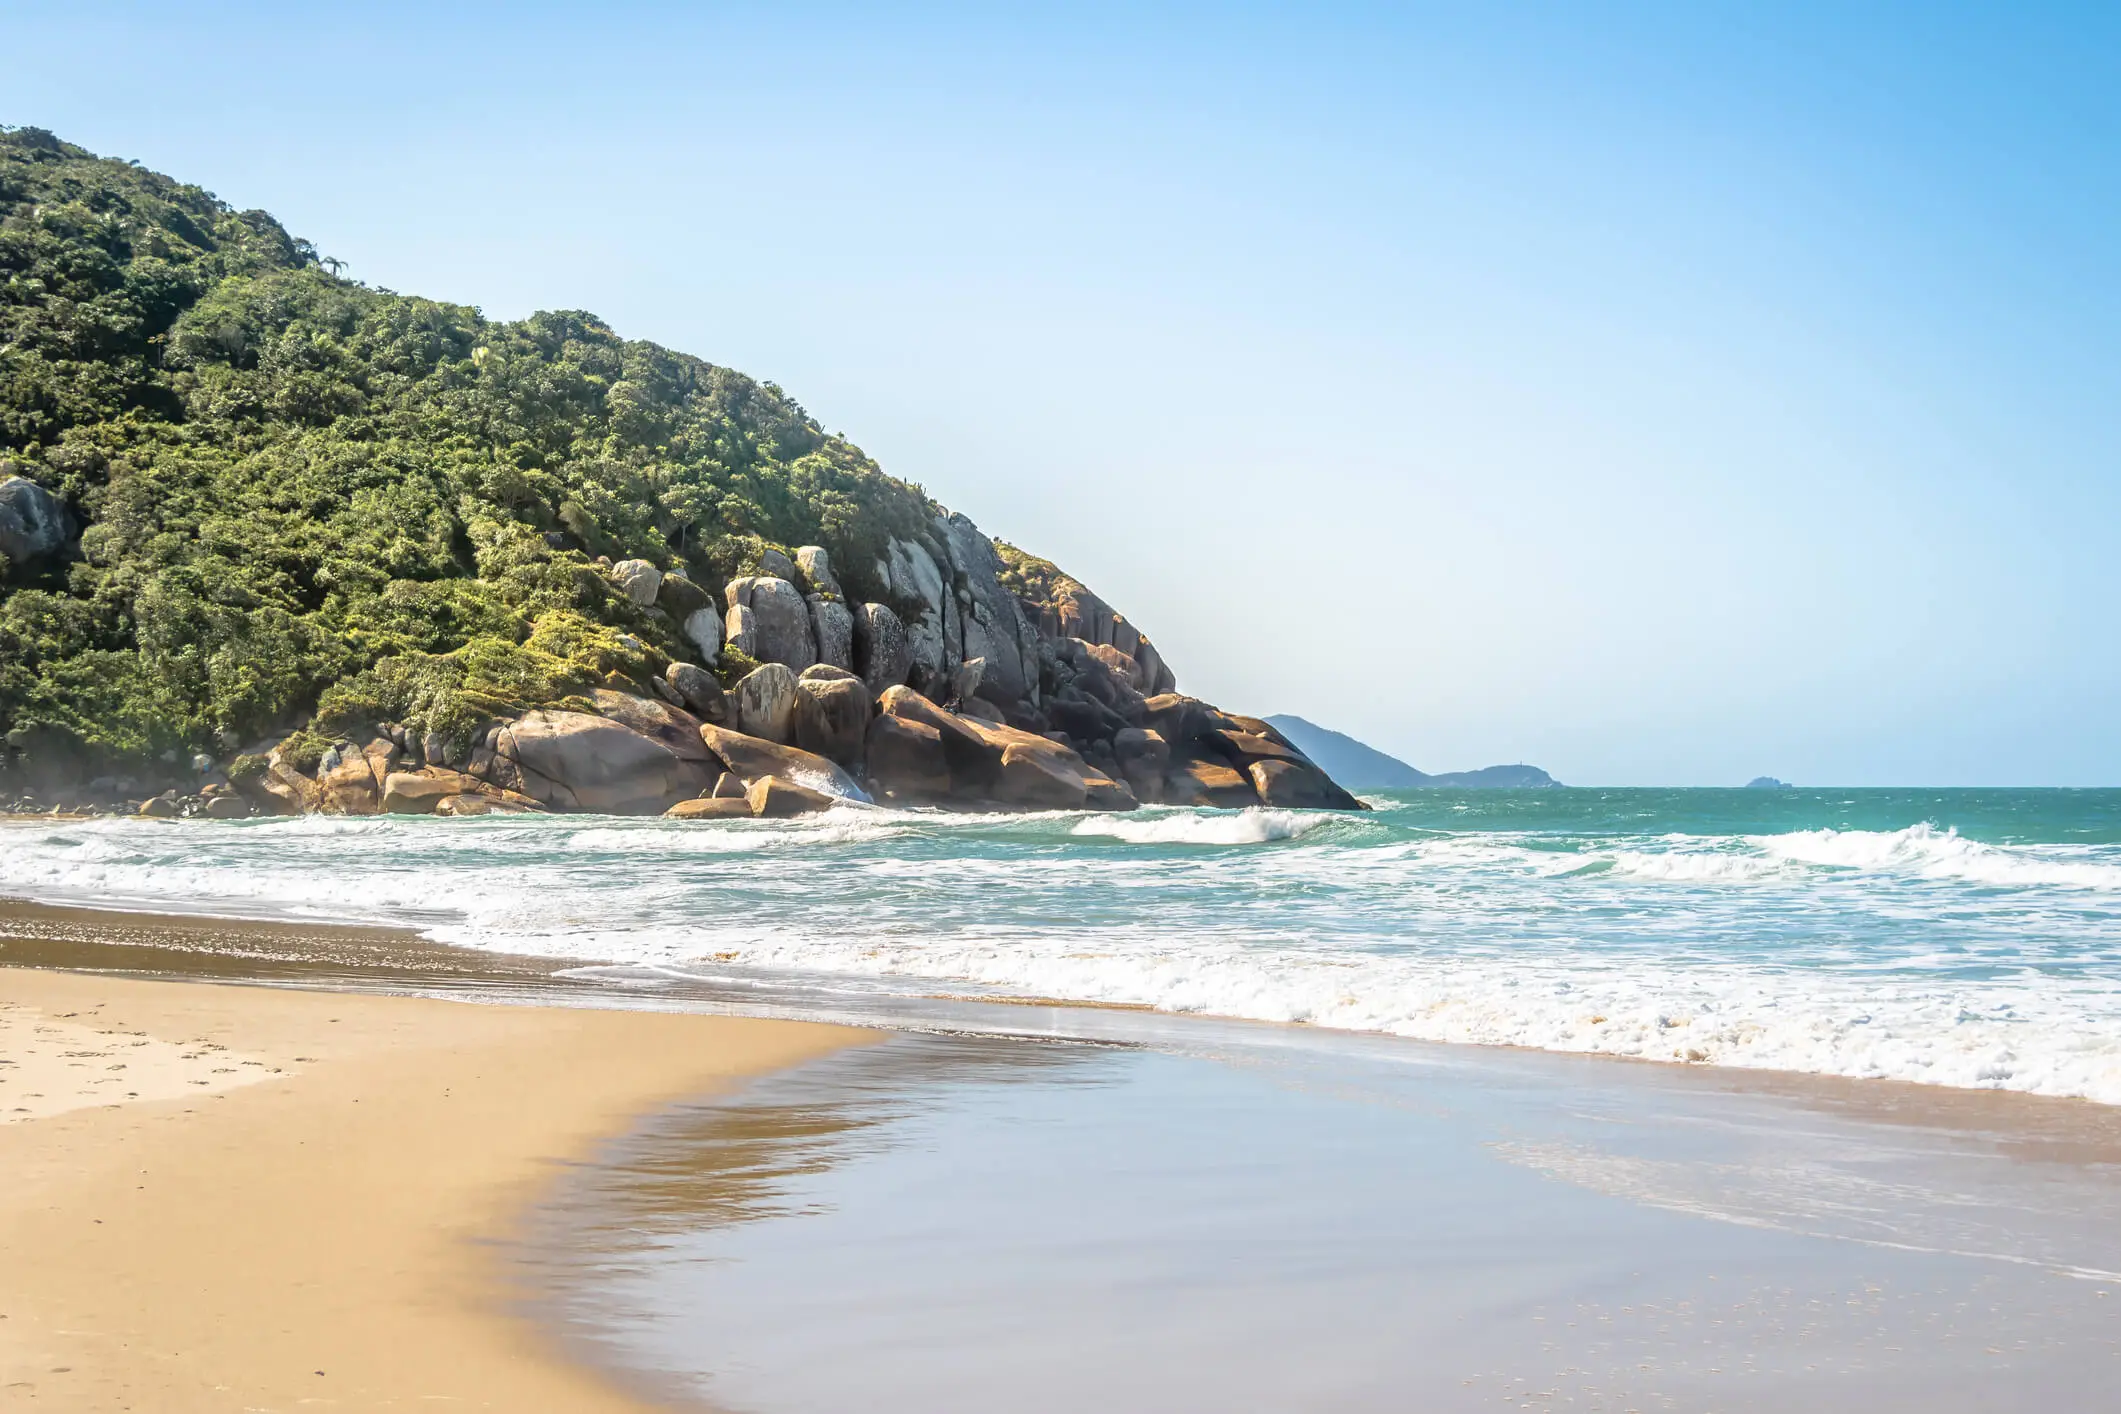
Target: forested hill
(269,479)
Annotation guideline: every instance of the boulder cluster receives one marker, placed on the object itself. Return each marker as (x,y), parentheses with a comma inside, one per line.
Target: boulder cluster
(958,694)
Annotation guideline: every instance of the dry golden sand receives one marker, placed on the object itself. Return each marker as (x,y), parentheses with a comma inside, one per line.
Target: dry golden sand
(285,1199)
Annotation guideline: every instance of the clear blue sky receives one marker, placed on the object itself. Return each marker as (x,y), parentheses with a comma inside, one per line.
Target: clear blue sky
(1662,393)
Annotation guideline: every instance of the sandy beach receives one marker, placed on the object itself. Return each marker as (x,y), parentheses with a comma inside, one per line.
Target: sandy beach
(246,1198)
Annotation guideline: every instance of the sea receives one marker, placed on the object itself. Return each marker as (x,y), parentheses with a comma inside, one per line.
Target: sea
(1963,938)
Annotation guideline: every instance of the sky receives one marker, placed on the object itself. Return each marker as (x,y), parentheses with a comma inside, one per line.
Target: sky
(1660,394)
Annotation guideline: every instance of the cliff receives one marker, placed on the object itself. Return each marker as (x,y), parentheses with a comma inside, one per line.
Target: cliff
(263,529)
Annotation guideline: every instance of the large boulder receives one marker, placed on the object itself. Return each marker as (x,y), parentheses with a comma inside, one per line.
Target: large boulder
(814,563)
(771,798)
(1242,748)
(1298,785)
(765,703)
(751,759)
(680,598)
(832,631)
(1002,766)
(1120,665)
(1143,757)
(33,522)
(349,779)
(933,644)
(1193,781)
(711,808)
(699,691)
(881,654)
(784,634)
(427,791)
(704,627)
(776,564)
(906,762)
(994,626)
(575,761)
(832,711)
(639,580)
(674,727)
(743,630)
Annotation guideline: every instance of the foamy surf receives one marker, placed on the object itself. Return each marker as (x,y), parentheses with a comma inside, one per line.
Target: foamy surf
(1807,934)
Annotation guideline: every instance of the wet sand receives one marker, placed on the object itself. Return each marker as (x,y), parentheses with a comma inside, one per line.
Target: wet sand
(1259,1216)
(226,1198)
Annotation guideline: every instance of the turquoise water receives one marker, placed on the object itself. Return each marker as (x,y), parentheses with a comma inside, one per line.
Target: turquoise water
(1966,938)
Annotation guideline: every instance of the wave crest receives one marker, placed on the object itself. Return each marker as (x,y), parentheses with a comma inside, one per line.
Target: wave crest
(1253,826)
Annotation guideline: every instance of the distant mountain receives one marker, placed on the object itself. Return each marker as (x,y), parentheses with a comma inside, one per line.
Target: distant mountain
(1361,767)
(1767,783)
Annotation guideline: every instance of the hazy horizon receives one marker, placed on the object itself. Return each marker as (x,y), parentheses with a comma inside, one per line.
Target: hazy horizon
(1656,396)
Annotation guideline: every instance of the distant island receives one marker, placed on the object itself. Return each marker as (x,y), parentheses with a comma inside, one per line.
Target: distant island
(1767,783)
(1361,767)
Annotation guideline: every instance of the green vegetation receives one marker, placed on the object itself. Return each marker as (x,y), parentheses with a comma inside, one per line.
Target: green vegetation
(301,493)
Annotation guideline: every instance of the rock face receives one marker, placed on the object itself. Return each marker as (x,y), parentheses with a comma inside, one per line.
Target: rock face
(33,522)
(765,703)
(881,653)
(832,631)
(573,761)
(994,626)
(743,628)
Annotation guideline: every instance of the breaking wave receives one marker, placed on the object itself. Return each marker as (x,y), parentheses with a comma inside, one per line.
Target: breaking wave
(1807,936)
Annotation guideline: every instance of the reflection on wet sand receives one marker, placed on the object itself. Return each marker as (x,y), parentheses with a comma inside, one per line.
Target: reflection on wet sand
(964,1223)
(1068,1208)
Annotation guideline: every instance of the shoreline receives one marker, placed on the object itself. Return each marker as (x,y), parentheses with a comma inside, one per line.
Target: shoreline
(290,1197)
(340,1186)
(99,937)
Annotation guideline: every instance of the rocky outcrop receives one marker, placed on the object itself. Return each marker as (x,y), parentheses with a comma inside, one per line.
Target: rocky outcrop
(984,763)
(751,759)
(988,682)
(34,523)
(821,739)
(575,761)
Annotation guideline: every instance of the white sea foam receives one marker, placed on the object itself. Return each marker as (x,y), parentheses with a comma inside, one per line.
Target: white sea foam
(1253,826)
(1932,853)
(1912,953)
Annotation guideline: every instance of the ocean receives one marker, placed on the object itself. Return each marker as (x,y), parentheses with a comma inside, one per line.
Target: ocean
(1967,938)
